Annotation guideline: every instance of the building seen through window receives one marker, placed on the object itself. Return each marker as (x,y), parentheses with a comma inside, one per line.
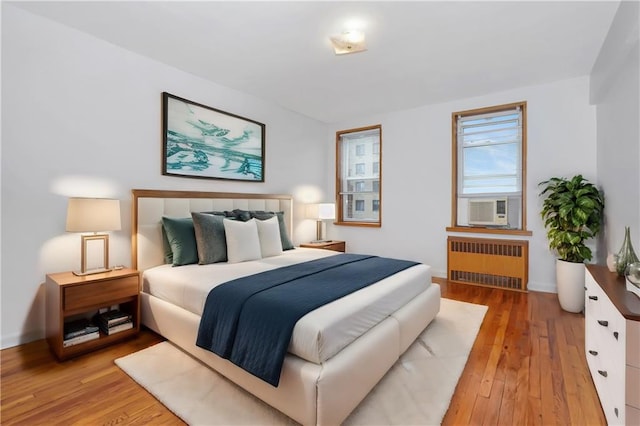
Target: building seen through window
(358,176)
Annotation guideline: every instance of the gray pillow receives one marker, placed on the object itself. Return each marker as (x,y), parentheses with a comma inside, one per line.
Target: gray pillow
(284,237)
(241,215)
(182,239)
(210,238)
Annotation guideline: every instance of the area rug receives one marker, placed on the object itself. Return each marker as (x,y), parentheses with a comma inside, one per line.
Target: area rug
(417,389)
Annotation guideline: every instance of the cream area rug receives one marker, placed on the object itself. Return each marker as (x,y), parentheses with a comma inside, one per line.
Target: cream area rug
(417,390)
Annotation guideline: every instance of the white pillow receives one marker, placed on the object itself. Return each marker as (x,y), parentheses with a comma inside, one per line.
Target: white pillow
(269,234)
(243,242)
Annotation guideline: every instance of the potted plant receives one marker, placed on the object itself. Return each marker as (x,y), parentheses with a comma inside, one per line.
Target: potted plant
(572,213)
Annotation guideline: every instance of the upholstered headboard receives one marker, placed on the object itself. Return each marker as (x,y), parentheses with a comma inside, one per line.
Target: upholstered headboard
(149,205)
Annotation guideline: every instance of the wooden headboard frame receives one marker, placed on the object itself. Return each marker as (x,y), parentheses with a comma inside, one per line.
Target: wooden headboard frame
(149,205)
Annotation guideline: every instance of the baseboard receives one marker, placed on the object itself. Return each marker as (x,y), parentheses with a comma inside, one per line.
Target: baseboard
(439,273)
(17,339)
(542,287)
(532,286)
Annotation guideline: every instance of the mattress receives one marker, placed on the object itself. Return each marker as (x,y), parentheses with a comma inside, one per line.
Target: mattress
(318,335)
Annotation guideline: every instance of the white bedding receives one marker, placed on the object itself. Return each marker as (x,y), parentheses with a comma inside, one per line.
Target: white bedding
(318,335)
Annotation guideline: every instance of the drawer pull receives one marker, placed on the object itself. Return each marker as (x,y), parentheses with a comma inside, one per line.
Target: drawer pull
(615,334)
(615,410)
(603,323)
(594,353)
(593,297)
(602,373)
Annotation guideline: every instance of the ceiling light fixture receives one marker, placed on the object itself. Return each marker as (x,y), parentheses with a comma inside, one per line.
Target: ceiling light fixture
(348,42)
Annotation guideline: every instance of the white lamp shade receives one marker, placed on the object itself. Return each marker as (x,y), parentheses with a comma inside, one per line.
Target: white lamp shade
(93,215)
(326,211)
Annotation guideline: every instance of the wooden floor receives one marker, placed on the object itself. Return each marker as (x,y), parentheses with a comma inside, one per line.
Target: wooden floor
(527,367)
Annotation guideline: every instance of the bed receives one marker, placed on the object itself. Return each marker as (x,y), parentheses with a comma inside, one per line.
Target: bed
(338,352)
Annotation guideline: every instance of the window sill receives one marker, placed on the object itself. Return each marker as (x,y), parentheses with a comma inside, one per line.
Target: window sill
(365,224)
(481,230)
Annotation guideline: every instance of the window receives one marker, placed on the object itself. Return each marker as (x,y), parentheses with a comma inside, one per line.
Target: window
(358,176)
(489,147)
(489,163)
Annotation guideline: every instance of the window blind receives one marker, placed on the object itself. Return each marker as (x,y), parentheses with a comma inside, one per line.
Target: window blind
(489,151)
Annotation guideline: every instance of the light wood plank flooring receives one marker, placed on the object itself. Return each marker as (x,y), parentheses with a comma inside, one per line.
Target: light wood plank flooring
(527,367)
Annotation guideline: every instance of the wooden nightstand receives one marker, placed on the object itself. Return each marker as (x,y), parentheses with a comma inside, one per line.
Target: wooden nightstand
(327,245)
(69,296)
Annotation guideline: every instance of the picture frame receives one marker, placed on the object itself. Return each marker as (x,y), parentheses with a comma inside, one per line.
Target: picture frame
(202,142)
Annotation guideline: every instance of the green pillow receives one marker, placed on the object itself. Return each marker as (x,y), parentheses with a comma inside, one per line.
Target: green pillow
(210,238)
(168,253)
(182,239)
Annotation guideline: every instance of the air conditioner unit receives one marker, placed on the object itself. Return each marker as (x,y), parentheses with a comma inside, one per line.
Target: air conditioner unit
(488,211)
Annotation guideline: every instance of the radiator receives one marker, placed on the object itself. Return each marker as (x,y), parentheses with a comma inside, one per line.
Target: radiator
(488,262)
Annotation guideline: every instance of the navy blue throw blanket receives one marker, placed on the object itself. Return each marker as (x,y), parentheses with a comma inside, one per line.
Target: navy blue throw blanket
(249,320)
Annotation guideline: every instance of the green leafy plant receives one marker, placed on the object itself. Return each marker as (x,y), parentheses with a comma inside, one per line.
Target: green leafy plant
(572,213)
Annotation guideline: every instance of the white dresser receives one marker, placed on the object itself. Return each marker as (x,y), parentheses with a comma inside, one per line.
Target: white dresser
(612,344)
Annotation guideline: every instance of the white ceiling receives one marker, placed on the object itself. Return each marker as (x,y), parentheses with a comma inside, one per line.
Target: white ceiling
(418,52)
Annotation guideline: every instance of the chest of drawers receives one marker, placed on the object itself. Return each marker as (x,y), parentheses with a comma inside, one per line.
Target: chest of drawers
(612,344)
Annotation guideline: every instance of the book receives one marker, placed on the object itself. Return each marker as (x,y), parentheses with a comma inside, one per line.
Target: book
(117,328)
(113,317)
(78,327)
(80,339)
(632,288)
(113,322)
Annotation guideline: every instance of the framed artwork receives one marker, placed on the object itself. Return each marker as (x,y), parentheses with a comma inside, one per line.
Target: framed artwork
(202,142)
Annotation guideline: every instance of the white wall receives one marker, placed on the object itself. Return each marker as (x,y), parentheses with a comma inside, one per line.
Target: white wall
(82,117)
(416,171)
(615,89)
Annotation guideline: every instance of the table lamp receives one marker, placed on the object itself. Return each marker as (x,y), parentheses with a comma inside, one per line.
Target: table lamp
(93,215)
(326,211)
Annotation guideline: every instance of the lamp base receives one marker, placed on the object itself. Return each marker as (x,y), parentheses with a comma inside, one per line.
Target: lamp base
(320,241)
(92,271)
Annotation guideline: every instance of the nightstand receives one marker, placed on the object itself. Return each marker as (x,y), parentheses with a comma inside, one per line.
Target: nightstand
(327,245)
(69,297)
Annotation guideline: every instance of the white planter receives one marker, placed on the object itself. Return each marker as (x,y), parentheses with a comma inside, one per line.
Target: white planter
(570,283)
